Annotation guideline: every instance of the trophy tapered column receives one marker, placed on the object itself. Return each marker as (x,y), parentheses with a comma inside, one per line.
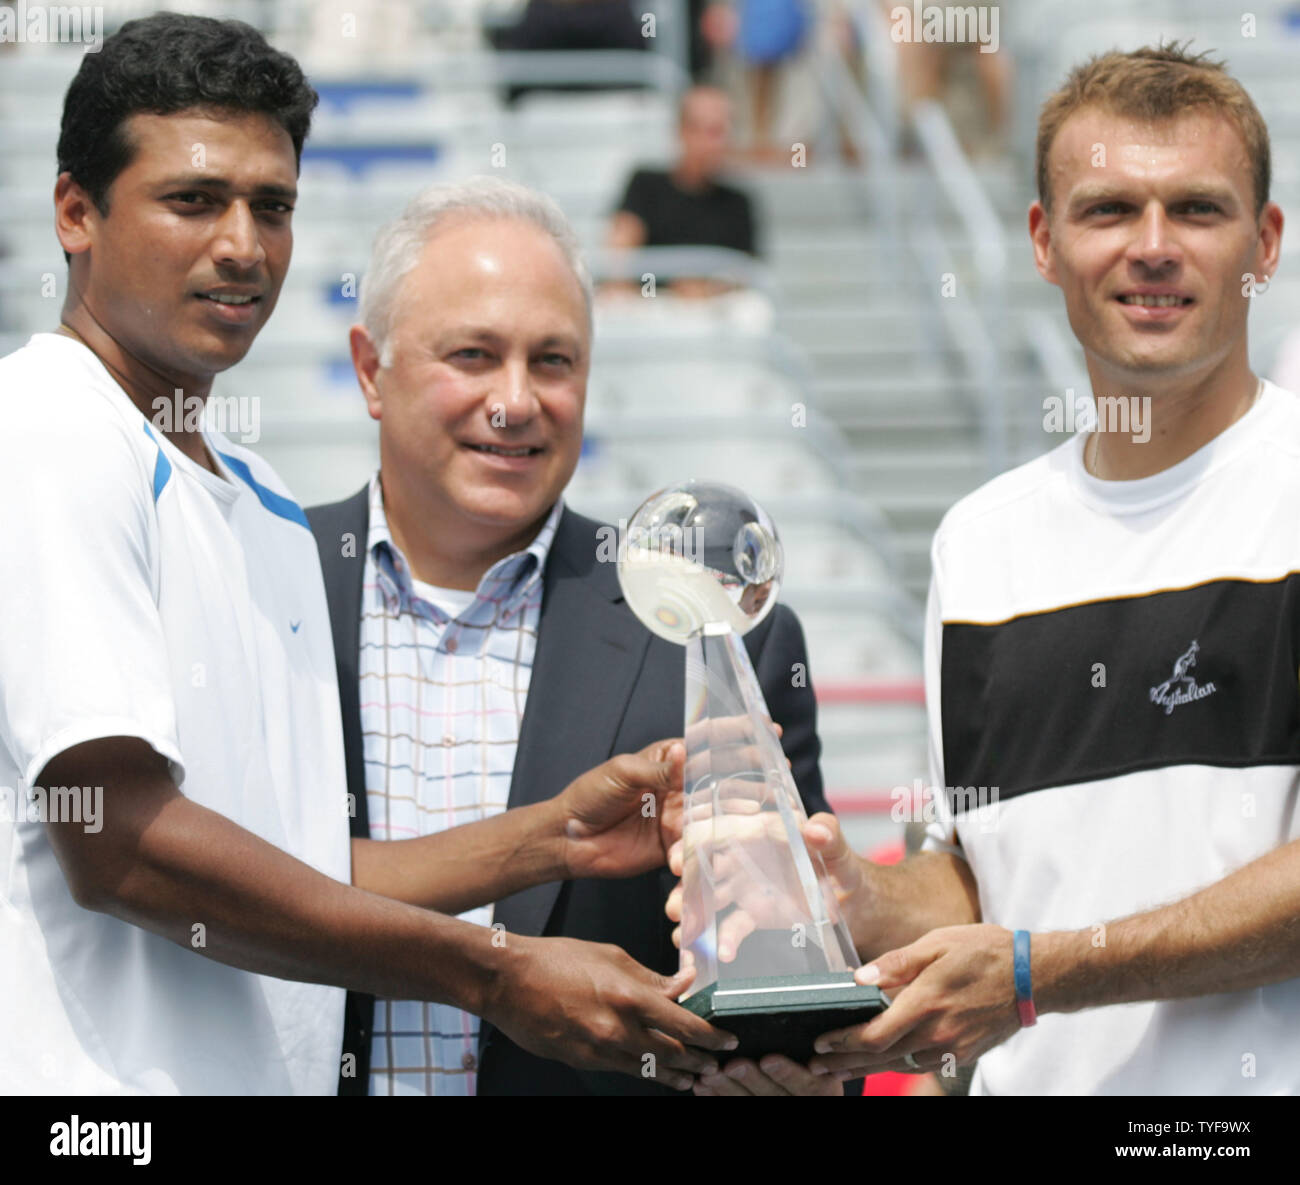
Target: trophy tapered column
(755,901)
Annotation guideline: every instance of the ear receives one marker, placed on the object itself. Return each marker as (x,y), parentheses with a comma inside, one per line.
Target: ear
(1040,234)
(365,361)
(76,218)
(1270,238)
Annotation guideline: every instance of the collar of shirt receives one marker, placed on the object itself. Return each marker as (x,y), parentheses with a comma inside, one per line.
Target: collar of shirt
(502,592)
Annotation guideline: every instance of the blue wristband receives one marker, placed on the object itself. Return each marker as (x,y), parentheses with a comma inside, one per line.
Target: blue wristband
(1024,982)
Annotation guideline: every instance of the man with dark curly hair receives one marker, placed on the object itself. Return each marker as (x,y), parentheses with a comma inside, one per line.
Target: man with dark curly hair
(165,624)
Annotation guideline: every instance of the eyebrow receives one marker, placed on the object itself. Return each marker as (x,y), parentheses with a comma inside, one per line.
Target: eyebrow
(208,181)
(482,333)
(1086,195)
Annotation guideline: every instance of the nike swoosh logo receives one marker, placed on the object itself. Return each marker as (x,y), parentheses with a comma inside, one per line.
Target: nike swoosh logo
(293,625)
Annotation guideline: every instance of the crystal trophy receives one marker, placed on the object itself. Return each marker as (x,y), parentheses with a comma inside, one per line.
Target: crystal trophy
(761,924)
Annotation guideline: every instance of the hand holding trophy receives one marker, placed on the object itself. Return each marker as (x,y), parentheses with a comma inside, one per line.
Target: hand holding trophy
(761,925)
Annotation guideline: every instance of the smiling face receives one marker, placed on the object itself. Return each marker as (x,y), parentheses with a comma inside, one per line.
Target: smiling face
(187,265)
(1151,231)
(480,406)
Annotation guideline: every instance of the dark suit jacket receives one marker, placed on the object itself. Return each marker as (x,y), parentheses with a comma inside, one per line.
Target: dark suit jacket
(601,684)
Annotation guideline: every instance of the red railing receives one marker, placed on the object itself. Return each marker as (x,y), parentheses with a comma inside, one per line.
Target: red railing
(872,691)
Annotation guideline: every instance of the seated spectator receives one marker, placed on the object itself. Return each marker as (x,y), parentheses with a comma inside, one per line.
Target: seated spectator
(687,206)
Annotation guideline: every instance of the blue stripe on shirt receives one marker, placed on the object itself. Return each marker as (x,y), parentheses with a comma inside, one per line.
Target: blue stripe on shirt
(162,468)
(277,504)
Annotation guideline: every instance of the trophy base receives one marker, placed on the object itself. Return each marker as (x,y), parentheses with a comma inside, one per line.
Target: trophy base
(785,1013)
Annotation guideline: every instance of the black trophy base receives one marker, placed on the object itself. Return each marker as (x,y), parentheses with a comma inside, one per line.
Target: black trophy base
(785,1013)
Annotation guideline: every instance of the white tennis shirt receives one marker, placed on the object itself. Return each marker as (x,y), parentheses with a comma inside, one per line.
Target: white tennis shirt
(143,596)
(1112,667)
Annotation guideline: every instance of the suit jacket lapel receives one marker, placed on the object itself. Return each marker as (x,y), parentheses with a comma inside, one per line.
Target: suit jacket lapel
(343,562)
(588,658)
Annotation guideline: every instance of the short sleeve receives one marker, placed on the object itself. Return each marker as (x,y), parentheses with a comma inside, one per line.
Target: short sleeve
(637,198)
(82,649)
(941,831)
(747,231)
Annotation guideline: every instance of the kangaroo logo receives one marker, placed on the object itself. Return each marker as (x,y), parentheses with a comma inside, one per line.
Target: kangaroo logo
(1180,687)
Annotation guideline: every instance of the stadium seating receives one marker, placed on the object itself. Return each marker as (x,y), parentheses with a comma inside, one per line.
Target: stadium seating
(839,389)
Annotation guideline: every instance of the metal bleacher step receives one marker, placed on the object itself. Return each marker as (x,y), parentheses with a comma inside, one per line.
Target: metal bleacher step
(840,365)
(917,509)
(860,288)
(861,395)
(805,197)
(914,553)
(871,430)
(833,250)
(831,326)
(885,474)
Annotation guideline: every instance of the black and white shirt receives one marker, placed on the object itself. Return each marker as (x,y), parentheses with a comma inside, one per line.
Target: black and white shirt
(1112,667)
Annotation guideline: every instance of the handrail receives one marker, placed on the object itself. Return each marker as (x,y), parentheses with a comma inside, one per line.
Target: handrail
(882,71)
(953,172)
(975,335)
(968,331)
(1054,352)
(872,143)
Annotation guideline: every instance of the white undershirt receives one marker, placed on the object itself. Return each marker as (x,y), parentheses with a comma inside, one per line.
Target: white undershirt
(452,601)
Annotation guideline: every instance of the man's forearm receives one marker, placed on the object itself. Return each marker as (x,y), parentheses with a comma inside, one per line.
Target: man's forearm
(466,866)
(900,902)
(202,881)
(1239,933)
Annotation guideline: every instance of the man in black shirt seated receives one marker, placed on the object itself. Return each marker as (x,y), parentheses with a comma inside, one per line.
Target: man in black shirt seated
(687,206)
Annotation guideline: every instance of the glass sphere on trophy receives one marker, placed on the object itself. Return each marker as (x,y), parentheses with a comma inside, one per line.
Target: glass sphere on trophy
(761,924)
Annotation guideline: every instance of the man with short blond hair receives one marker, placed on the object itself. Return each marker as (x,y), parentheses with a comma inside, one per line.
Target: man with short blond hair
(1111,657)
